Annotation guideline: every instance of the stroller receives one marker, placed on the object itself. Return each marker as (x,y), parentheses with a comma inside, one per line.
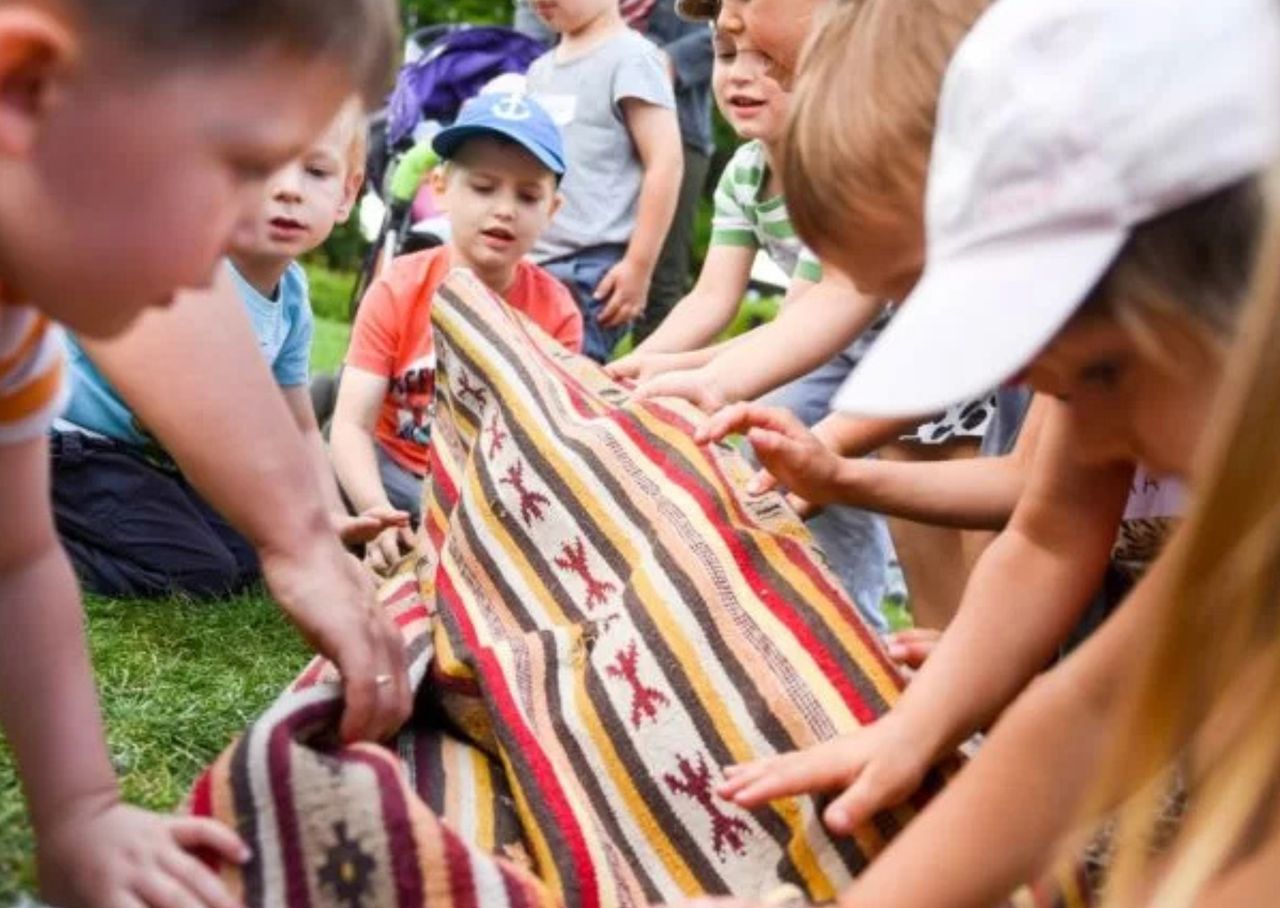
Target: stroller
(447,65)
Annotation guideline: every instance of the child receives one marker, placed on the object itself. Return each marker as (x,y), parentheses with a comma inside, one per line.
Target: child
(504,158)
(186,106)
(751,214)
(1134,322)
(126,515)
(611,91)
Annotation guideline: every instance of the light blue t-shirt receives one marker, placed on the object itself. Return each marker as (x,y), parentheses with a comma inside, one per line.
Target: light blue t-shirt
(283,326)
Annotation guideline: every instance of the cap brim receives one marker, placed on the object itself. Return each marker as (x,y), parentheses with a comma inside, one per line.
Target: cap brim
(447,142)
(976,320)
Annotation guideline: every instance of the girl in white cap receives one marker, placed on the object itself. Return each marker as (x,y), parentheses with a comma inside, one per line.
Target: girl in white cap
(1092,212)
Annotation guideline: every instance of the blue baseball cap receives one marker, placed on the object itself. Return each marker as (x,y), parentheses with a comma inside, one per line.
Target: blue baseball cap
(512,115)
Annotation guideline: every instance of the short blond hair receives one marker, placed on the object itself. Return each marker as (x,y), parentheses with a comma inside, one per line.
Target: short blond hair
(863,116)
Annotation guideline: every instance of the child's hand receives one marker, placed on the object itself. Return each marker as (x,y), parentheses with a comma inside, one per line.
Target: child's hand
(789,452)
(368,525)
(387,549)
(624,292)
(911,649)
(640,367)
(877,767)
(120,856)
(694,385)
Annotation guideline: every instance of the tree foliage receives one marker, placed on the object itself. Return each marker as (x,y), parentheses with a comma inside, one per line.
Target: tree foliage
(480,12)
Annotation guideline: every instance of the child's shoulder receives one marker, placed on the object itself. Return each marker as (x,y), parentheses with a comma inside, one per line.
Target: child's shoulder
(748,154)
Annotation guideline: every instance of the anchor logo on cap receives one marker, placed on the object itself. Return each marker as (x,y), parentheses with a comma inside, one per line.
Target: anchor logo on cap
(512,107)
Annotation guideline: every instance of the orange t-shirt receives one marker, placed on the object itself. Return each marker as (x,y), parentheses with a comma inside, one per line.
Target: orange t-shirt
(392,338)
(33,389)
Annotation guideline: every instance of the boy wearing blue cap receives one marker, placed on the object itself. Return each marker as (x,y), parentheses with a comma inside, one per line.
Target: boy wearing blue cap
(504,158)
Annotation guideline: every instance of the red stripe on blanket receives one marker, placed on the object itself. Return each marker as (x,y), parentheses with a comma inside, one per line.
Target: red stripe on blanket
(821,654)
(462,883)
(279,774)
(530,750)
(399,828)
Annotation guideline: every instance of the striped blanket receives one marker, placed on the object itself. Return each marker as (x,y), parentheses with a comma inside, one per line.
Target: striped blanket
(598,621)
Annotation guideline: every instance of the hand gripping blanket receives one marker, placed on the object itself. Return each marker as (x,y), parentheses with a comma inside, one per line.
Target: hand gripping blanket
(599,620)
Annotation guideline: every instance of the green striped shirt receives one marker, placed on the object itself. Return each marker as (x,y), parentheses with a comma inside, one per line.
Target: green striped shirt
(744,219)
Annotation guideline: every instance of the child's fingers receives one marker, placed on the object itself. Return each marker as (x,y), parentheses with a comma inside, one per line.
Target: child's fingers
(762,482)
(872,792)
(198,879)
(202,833)
(819,768)
(913,648)
(607,285)
(159,890)
(803,507)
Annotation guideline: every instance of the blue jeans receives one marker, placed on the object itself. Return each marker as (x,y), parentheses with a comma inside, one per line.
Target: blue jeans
(582,272)
(856,542)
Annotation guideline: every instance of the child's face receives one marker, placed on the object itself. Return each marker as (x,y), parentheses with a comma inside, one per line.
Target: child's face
(499,199)
(749,97)
(567,16)
(119,184)
(306,197)
(1127,401)
(777,27)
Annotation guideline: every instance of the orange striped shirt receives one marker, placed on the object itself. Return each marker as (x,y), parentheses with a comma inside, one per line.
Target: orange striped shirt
(32,386)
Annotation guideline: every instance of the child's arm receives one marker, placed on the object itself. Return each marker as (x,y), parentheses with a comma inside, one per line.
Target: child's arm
(92,849)
(353,530)
(355,459)
(807,333)
(655,132)
(971,493)
(1026,593)
(710,306)
(195,377)
(1027,782)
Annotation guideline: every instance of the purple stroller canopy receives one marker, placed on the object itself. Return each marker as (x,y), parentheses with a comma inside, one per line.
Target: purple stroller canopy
(453,70)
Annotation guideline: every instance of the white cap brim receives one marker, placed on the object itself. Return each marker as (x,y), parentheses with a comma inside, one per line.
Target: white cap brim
(977,319)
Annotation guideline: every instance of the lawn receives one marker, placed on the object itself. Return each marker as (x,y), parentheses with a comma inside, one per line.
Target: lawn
(178,682)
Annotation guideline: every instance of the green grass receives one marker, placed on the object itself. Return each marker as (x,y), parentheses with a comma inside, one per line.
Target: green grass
(178,682)
(329,345)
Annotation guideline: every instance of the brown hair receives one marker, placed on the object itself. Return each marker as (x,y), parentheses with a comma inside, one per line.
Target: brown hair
(1190,265)
(359,35)
(863,115)
(1216,655)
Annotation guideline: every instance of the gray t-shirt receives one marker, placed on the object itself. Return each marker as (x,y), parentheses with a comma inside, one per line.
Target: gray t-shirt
(602,186)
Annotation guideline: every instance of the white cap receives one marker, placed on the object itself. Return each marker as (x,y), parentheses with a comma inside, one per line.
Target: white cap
(1062,125)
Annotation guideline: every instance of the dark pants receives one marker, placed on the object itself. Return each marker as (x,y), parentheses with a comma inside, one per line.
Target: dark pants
(582,273)
(134,529)
(671,277)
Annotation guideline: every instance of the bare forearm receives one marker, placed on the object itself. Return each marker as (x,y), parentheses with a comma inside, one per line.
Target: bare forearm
(659,195)
(694,323)
(195,377)
(356,462)
(48,701)
(789,346)
(974,493)
(853,436)
(1027,782)
(323,469)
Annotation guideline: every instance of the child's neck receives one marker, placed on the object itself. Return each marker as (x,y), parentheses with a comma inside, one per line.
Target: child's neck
(499,280)
(262,272)
(772,162)
(591,34)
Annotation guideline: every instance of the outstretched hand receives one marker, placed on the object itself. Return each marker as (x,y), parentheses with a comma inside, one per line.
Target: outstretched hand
(874,768)
(368,525)
(696,386)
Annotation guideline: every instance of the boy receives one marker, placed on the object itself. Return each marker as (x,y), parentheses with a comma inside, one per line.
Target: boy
(187,106)
(503,160)
(611,91)
(130,521)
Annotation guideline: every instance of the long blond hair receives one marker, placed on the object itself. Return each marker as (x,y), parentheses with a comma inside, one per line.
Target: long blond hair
(1214,672)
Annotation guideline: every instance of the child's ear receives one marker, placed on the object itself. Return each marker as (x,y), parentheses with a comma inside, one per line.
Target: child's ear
(557,201)
(35,50)
(350,194)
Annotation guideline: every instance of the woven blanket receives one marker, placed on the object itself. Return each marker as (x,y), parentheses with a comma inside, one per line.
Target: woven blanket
(599,620)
